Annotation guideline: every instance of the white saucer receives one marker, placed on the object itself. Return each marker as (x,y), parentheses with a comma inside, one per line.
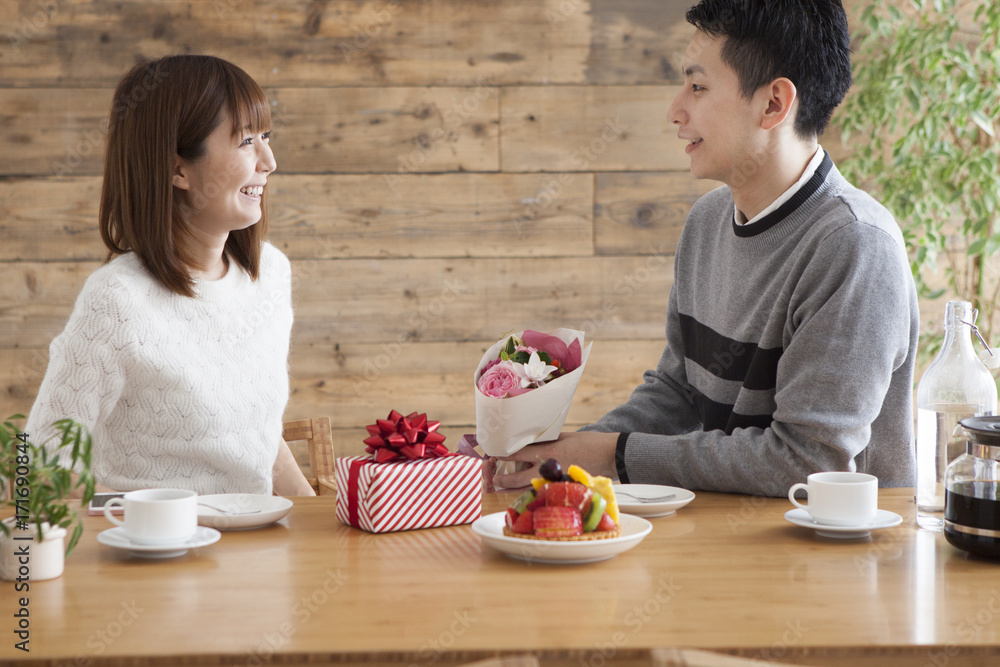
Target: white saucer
(116,537)
(271,509)
(490,529)
(681,498)
(883,519)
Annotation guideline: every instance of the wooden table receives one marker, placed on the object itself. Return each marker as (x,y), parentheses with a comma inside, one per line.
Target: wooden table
(725,573)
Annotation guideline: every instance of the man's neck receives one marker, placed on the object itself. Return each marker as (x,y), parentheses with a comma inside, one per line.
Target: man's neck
(781,168)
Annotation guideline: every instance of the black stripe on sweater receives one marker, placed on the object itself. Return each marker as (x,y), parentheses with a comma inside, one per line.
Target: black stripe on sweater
(755,367)
(720,416)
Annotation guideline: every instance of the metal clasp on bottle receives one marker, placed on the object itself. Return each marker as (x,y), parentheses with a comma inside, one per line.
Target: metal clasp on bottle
(986,355)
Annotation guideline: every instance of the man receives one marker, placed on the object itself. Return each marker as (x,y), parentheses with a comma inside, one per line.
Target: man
(792,323)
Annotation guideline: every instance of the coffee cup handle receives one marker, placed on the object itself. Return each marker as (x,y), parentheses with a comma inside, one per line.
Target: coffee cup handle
(114,502)
(791,495)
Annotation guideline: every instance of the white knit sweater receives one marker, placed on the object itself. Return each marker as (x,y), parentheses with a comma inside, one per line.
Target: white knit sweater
(177,391)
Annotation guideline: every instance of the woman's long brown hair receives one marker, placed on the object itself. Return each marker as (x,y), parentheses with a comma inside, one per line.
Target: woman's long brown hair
(162,109)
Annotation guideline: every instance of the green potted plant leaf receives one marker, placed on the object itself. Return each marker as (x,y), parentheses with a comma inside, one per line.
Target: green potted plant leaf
(921,126)
(37,485)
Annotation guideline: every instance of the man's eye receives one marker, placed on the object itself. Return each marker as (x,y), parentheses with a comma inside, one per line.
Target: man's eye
(695,87)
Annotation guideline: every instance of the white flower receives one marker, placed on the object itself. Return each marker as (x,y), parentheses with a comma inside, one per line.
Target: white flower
(534,372)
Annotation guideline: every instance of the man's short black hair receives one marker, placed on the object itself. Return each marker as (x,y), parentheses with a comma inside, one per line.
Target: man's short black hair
(805,41)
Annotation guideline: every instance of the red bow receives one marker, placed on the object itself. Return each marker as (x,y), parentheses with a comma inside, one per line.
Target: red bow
(409,438)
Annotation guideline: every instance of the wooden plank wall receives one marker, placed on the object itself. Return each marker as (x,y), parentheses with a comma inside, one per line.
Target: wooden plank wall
(449,170)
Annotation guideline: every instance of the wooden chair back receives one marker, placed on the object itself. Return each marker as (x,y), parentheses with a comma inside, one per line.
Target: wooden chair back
(318,435)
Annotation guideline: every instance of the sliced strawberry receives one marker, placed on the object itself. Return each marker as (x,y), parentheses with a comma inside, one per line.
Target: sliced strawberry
(524,523)
(511,517)
(568,494)
(557,522)
(606,523)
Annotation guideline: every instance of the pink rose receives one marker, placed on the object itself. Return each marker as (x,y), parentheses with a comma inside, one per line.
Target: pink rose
(499,379)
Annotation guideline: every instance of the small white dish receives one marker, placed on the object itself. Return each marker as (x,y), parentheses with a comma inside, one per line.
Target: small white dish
(681,498)
(117,538)
(265,510)
(490,529)
(883,519)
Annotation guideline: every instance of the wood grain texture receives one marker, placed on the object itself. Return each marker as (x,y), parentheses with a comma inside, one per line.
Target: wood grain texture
(354,42)
(643,212)
(589,128)
(401,300)
(329,216)
(900,597)
(61,131)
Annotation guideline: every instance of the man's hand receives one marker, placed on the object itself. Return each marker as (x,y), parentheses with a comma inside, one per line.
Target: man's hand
(592,451)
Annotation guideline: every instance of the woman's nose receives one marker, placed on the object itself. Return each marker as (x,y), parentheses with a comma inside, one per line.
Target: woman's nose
(266,161)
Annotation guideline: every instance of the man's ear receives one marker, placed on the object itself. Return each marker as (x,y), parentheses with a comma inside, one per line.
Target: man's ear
(781,98)
(180,176)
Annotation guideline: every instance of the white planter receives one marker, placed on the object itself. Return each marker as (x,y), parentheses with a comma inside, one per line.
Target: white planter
(44,560)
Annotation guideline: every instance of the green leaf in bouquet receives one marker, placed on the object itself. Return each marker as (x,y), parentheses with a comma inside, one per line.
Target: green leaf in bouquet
(521,357)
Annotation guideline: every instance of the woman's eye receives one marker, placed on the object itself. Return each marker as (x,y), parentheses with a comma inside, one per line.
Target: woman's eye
(266,135)
(695,87)
(247,141)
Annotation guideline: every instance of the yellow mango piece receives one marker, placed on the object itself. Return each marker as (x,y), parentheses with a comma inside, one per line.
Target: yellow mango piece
(578,474)
(539,482)
(602,485)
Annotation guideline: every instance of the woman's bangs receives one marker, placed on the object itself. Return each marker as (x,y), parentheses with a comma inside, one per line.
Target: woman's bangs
(248,105)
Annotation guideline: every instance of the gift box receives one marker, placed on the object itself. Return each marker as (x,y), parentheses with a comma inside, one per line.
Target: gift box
(409,494)
(410,481)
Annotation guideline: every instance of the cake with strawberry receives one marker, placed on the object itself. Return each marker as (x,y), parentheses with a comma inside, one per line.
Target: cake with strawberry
(570,507)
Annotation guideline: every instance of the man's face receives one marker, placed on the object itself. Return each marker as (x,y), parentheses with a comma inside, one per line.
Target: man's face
(720,126)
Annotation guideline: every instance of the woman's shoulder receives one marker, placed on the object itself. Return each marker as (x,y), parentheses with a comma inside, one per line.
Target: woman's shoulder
(273,262)
(122,280)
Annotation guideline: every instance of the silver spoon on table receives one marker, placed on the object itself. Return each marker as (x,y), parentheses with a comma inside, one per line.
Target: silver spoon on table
(229,512)
(651,499)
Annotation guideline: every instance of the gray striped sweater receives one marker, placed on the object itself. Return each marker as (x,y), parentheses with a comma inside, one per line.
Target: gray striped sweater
(790,349)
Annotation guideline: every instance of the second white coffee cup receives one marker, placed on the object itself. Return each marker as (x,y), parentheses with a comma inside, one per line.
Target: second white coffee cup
(157,516)
(839,498)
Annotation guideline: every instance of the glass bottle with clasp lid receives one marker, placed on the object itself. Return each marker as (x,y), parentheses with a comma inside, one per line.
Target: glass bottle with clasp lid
(955,386)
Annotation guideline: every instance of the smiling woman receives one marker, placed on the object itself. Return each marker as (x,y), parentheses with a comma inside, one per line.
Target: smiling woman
(158,358)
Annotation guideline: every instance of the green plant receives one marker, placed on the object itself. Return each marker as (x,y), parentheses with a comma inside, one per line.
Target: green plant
(40,485)
(921,124)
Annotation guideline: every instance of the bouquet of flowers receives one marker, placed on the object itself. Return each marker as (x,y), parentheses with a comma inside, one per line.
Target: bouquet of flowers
(524,387)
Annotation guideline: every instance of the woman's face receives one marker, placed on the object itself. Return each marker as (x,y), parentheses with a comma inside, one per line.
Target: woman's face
(222,189)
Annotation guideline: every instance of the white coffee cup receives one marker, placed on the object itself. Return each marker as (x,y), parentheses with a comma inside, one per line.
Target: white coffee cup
(839,498)
(157,516)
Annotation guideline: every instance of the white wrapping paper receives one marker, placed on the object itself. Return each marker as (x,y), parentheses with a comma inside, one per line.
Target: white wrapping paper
(506,425)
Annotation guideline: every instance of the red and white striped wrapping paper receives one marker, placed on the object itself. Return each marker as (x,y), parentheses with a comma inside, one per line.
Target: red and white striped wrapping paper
(386,497)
